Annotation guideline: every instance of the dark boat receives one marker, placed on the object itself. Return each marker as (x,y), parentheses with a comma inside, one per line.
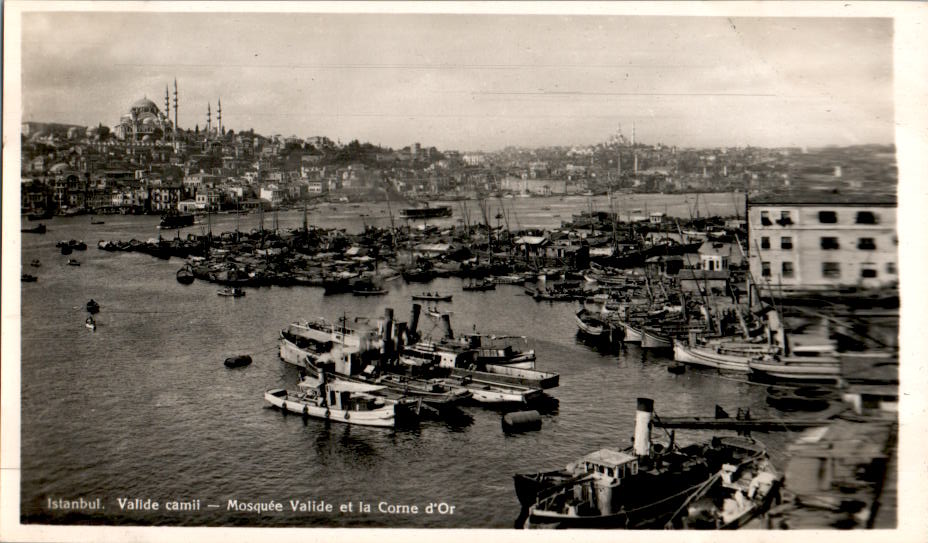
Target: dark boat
(185,275)
(480,286)
(36,263)
(92,221)
(44,215)
(650,485)
(419,275)
(425,212)
(40,229)
(176,220)
(93,307)
(237,361)
(29,278)
(66,249)
(432,297)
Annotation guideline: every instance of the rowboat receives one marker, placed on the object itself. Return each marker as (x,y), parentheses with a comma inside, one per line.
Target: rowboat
(90,323)
(654,338)
(589,324)
(233,292)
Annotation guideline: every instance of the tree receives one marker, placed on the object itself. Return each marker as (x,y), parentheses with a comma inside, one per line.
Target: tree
(196,130)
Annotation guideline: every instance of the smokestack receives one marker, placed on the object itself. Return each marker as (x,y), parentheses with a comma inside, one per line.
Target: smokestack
(414,320)
(446,326)
(388,332)
(643,426)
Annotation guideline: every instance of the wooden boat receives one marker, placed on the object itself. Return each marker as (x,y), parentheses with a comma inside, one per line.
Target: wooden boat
(44,215)
(93,307)
(237,361)
(35,263)
(66,250)
(633,333)
(369,291)
(647,485)
(710,358)
(419,275)
(654,338)
(90,323)
(40,229)
(425,212)
(338,401)
(73,262)
(234,292)
(492,392)
(590,324)
(185,275)
(27,278)
(432,297)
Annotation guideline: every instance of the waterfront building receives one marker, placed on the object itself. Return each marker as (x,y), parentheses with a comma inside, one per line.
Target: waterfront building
(821,241)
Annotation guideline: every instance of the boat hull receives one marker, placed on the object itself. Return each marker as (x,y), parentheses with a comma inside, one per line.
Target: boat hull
(700,356)
(651,339)
(632,334)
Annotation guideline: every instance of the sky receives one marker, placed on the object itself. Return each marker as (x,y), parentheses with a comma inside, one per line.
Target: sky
(474,82)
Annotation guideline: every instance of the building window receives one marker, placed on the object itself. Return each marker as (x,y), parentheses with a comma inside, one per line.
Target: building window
(765,269)
(866,244)
(830,244)
(785,218)
(867,217)
(764,242)
(891,268)
(827,217)
(786,243)
(787,269)
(867,273)
(765,218)
(831,270)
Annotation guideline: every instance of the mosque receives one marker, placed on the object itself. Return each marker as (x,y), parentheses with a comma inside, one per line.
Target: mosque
(145,123)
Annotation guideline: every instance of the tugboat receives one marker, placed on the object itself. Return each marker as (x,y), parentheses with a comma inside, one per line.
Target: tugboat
(653,486)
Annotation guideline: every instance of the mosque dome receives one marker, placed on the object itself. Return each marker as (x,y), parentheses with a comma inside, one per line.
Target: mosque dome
(145,103)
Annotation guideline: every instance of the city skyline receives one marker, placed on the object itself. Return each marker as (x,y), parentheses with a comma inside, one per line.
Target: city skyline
(475,82)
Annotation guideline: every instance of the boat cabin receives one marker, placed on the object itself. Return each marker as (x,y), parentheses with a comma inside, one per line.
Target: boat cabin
(608,463)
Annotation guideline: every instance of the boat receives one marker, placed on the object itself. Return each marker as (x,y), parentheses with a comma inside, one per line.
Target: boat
(633,333)
(73,262)
(185,275)
(40,216)
(432,297)
(649,485)
(234,292)
(369,291)
(419,274)
(654,338)
(176,219)
(796,368)
(36,263)
(509,279)
(590,324)
(27,278)
(93,307)
(479,286)
(65,250)
(94,221)
(40,229)
(338,401)
(237,361)
(90,323)
(425,212)
(494,392)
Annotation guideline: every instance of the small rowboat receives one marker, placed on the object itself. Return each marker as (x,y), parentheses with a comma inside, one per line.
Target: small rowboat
(90,323)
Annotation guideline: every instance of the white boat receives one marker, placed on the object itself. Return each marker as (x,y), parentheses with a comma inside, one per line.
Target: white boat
(632,333)
(812,362)
(493,392)
(653,338)
(90,323)
(339,401)
(710,358)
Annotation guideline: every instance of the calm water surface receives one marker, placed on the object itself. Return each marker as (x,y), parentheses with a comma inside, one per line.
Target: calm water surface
(144,408)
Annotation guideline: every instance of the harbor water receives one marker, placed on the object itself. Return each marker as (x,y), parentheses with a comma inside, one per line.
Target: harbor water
(143,408)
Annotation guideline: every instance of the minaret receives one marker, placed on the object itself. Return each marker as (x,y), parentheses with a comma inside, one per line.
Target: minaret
(209,121)
(167,104)
(219,117)
(175,108)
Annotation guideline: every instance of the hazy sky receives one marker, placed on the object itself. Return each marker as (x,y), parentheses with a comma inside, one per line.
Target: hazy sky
(472,82)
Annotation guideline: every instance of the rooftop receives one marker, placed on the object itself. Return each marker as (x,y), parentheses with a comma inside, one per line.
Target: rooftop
(832,197)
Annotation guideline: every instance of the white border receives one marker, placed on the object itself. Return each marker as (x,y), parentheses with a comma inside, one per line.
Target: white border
(911,110)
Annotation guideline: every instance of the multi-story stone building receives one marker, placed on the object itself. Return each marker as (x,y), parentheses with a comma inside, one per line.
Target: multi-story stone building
(822,241)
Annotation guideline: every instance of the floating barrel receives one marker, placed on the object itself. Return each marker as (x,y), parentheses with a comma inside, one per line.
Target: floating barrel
(521,421)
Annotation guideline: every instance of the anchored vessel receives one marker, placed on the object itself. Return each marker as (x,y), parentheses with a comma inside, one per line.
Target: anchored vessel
(719,484)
